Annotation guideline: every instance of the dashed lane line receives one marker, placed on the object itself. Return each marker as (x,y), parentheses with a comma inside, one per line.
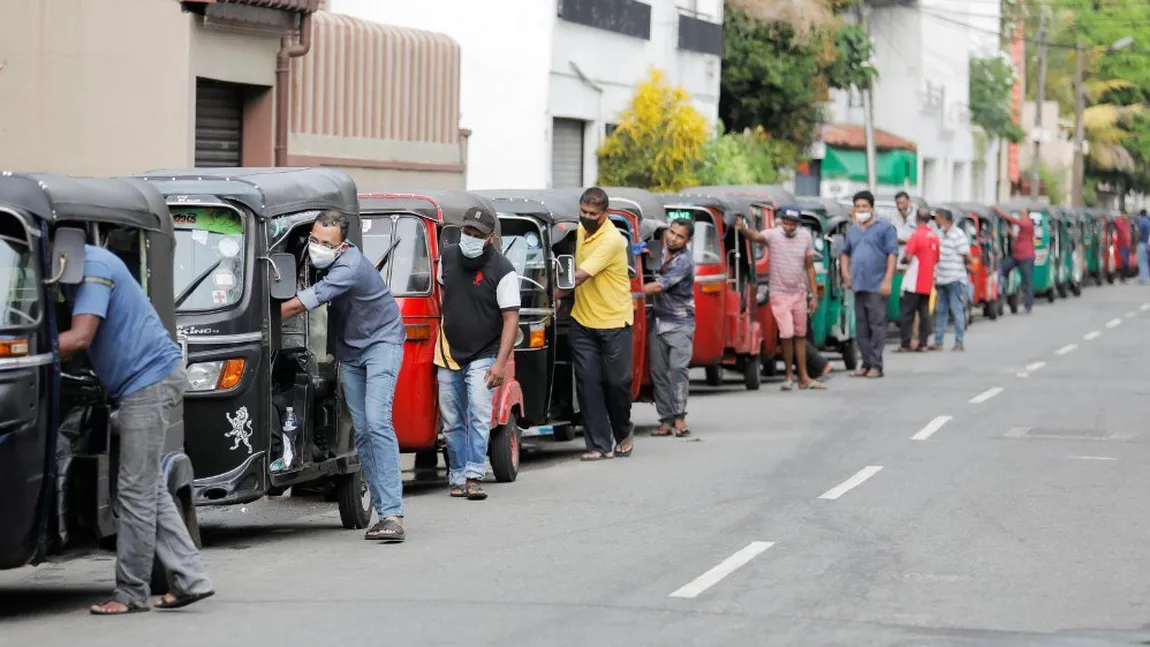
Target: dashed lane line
(729,565)
(1092,335)
(986,395)
(851,483)
(931,427)
(1144,307)
(1069,348)
(1030,368)
(1113,323)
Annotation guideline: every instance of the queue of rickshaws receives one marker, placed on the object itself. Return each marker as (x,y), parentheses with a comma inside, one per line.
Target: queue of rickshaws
(59,439)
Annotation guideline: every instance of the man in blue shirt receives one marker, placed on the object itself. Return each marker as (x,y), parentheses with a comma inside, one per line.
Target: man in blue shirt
(673,333)
(868,262)
(142,370)
(1143,248)
(369,347)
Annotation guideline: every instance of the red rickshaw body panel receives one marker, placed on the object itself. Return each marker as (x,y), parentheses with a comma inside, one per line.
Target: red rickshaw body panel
(710,319)
(765,219)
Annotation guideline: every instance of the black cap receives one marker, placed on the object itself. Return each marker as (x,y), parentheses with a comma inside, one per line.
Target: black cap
(790,213)
(481,219)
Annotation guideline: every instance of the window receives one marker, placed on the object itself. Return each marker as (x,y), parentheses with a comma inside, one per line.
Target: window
(397,246)
(705,248)
(620,16)
(524,246)
(19,289)
(209,258)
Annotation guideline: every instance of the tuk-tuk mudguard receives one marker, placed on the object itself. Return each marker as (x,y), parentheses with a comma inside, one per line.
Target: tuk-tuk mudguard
(177,471)
(506,400)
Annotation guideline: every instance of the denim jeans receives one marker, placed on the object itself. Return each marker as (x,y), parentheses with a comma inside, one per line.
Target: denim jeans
(369,389)
(1143,263)
(671,369)
(465,406)
(950,303)
(1026,272)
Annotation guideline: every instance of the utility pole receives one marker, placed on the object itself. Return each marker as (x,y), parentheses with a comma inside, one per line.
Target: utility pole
(868,112)
(1079,130)
(1040,98)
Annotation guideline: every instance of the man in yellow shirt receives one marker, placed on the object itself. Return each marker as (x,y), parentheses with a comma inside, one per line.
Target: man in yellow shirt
(601,331)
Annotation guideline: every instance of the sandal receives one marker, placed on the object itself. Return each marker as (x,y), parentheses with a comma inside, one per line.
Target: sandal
(596,456)
(630,442)
(475,492)
(683,432)
(958,347)
(813,385)
(862,372)
(169,601)
(104,608)
(874,373)
(458,491)
(663,430)
(903,349)
(388,531)
(787,385)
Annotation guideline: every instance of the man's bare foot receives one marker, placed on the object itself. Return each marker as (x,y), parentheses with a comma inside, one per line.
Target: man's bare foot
(115,608)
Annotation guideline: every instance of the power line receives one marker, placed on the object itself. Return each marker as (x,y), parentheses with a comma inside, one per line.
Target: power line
(975,28)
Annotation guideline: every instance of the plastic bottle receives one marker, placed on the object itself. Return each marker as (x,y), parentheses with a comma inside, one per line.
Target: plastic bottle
(291,425)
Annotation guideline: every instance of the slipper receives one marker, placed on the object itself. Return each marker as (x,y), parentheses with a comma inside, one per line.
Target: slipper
(178,602)
(683,433)
(663,430)
(387,531)
(98,609)
(475,492)
(875,374)
(813,385)
(860,373)
(787,385)
(903,349)
(591,457)
(458,492)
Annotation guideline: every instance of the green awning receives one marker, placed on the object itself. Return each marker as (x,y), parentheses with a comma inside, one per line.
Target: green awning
(895,167)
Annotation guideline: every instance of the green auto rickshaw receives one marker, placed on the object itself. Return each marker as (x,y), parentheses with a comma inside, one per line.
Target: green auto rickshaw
(1044,279)
(833,325)
(1010,287)
(1062,225)
(1094,243)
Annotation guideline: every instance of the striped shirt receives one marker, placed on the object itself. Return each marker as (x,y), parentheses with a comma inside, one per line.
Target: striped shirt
(951,267)
(788,258)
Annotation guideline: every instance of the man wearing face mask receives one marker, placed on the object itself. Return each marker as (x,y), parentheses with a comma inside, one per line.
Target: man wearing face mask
(480,322)
(369,347)
(790,250)
(868,261)
(601,331)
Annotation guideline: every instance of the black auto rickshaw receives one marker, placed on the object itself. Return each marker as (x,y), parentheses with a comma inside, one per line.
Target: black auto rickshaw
(59,442)
(242,237)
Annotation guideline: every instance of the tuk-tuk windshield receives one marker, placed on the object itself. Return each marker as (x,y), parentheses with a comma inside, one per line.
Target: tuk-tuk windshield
(20,297)
(705,247)
(209,258)
(523,246)
(398,247)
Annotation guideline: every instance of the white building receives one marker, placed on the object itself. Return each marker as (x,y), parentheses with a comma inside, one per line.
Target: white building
(545,80)
(922,50)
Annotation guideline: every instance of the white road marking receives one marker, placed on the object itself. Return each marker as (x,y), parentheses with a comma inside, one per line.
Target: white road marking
(986,395)
(1069,348)
(1030,368)
(931,427)
(1092,335)
(1144,307)
(851,483)
(729,565)
(1113,323)
(1092,458)
(1131,314)
(1022,374)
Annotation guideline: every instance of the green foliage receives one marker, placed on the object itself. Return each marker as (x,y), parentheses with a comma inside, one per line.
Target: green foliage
(991,80)
(851,65)
(659,141)
(1054,183)
(748,157)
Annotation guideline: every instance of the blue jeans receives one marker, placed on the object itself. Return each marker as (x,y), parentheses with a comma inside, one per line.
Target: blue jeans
(1026,271)
(465,406)
(1143,263)
(950,303)
(369,389)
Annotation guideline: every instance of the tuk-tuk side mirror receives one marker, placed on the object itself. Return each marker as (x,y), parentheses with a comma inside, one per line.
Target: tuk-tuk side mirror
(565,272)
(653,259)
(68,256)
(283,279)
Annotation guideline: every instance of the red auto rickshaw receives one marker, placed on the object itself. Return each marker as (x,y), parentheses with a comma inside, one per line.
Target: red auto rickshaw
(979,224)
(403,234)
(728,334)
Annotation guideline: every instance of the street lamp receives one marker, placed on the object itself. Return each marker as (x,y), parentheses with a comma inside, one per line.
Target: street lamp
(1080,107)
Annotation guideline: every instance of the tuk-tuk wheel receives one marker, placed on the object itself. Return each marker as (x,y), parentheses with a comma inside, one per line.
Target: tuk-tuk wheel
(1012,301)
(770,366)
(354,500)
(850,355)
(1063,290)
(714,375)
(990,310)
(1076,289)
(1051,295)
(752,372)
(1110,278)
(503,450)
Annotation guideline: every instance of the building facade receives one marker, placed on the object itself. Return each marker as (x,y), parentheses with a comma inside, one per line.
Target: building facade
(127,86)
(544,81)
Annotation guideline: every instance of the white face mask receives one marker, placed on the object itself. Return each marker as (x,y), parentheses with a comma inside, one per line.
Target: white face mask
(321,255)
(471,246)
(863,216)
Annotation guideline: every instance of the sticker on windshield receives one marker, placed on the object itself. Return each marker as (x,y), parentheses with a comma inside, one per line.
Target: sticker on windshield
(229,248)
(225,280)
(220,297)
(366,225)
(532,240)
(200,236)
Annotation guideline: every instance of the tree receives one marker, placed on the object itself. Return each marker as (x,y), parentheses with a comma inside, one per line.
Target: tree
(749,157)
(991,81)
(659,141)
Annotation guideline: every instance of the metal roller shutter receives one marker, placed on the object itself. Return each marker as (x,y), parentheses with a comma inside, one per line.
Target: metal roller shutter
(219,123)
(567,153)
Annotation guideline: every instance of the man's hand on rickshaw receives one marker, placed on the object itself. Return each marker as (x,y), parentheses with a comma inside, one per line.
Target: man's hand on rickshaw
(814,303)
(496,375)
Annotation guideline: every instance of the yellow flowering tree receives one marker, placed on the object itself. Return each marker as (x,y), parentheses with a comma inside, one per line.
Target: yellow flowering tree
(659,142)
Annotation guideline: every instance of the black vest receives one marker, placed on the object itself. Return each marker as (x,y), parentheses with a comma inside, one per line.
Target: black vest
(472,320)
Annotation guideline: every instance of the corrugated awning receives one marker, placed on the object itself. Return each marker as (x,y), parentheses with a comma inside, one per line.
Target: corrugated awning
(303,6)
(852,136)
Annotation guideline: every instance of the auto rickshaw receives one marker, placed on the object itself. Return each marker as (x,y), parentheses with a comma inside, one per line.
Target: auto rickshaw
(728,334)
(242,237)
(404,235)
(833,324)
(886,209)
(1044,247)
(1062,259)
(1094,243)
(1073,254)
(981,225)
(59,439)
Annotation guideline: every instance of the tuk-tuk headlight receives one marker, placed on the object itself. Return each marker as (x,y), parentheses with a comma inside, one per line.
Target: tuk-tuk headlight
(215,376)
(819,244)
(519,338)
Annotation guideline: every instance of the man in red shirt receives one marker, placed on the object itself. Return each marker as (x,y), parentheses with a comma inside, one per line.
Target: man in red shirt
(1122,240)
(1022,254)
(922,250)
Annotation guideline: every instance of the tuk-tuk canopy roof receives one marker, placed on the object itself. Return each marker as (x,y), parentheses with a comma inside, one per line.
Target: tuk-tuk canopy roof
(268,192)
(441,206)
(649,205)
(57,199)
(1029,205)
(550,205)
(831,207)
(916,200)
(778,195)
(729,206)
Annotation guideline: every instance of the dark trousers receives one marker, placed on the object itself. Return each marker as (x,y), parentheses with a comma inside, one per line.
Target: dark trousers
(602,362)
(1124,263)
(870,327)
(1026,271)
(911,304)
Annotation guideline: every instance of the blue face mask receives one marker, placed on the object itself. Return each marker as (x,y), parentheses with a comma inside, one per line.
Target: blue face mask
(471,246)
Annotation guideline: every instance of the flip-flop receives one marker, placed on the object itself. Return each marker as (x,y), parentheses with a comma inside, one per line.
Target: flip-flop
(663,430)
(787,385)
(683,433)
(458,492)
(591,457)
(178,602)
(475,492)
(860,373)
(97,609)
(397,534)
(813,385)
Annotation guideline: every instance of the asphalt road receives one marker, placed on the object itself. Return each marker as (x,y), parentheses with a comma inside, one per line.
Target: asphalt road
(999,496)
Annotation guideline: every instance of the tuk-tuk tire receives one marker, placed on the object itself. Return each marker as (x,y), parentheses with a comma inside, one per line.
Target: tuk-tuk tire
(349,493)
(1076,289)
(503,451)
(850,355)
(752,372)
(714,375)
(1063,290)
(1012,301)
(770,366)
(990,310)
(563,433)
(1051,295)
(428,460)
(1110,278)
